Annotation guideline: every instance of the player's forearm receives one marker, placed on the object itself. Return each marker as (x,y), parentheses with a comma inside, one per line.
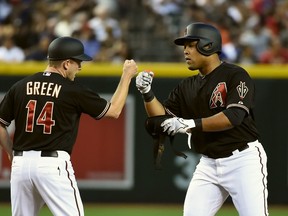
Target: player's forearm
(217,122)
(5,141)
(154,108)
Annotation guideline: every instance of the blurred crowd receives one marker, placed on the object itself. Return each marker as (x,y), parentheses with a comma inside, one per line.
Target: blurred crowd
(28,26)
(253,31)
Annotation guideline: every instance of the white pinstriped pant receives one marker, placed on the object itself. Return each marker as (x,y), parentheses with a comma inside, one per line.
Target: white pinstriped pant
(243,176)
(37,180)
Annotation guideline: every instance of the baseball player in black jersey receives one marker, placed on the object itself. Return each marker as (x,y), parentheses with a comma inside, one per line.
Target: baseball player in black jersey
(215,109)
(46,108)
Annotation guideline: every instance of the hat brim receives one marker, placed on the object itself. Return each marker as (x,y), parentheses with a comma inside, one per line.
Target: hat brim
(82,57)
(181,41)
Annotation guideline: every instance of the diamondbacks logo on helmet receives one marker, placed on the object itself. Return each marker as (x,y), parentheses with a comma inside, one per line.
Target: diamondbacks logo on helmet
(242,89)
(186,31)
(218,97)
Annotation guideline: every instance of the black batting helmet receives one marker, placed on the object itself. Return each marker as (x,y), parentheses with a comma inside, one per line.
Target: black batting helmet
(67,48)
(208,37)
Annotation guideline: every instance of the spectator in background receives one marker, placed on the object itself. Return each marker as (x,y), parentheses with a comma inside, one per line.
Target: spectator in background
(283,18)
(284,34)
(229,49)
(113,50)
(70,20)
(39,52)
(64,26)
(170,12)
(256,35)
(87,37)
(111,5)
(10,52)
(104,24)
(192,13)
(246,56)
(275,54)
(5,10)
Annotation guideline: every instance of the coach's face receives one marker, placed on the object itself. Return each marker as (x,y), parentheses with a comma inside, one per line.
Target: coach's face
(193,58)
(73,67)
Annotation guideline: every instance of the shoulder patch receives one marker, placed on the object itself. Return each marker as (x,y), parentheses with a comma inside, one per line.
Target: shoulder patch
(242,90)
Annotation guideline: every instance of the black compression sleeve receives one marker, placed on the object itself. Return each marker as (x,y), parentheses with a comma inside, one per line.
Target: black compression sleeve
(235,115)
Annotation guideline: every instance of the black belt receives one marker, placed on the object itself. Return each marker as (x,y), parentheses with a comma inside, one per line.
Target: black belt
(241,149)
(224,155)
(43,153)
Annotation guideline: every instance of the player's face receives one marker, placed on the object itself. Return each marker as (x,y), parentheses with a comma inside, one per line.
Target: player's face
(74,68)
(193,58)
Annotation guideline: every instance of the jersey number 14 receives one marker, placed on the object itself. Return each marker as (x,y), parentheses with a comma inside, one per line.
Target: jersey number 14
(44,119)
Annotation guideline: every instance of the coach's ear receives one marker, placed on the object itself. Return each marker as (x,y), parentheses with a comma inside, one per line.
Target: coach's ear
(64,65)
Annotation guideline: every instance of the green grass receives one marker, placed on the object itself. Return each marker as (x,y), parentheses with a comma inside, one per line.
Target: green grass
(144,210)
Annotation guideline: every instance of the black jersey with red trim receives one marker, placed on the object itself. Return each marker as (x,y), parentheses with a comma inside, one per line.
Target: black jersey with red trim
(199,96)
(46,108)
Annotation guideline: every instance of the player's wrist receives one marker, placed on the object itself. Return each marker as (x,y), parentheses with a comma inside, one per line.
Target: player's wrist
(148,96)
(193,125)
(198,125)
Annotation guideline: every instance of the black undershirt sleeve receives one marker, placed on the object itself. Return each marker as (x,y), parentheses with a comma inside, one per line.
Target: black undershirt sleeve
(235,115)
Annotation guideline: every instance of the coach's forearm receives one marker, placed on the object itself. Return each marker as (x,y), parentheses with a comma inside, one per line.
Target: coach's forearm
(5,141)
(118,99)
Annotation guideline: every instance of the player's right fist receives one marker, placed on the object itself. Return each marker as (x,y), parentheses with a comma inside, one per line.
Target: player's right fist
(144,80)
